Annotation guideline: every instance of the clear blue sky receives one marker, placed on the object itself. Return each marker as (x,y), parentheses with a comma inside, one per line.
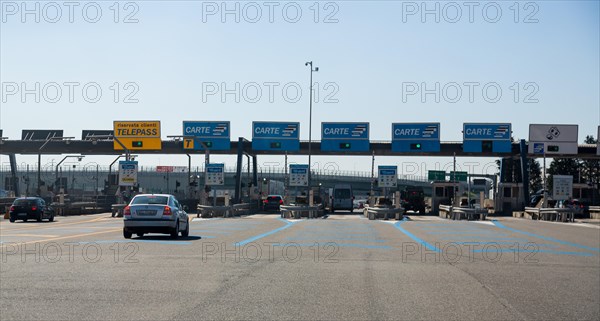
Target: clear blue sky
(177,49)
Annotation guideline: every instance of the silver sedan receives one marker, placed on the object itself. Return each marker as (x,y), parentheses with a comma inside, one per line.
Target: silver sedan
(155,213)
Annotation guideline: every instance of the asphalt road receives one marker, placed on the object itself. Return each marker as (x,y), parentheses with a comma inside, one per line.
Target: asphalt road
(259,267)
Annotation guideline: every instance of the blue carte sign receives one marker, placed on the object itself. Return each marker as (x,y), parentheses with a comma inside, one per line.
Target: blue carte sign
(478,138)
(351,137)
(416,137)
(282,136)
(213,134)
(486,131)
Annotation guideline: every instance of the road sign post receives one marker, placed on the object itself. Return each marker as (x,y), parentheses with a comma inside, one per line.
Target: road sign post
(487,138)
(436,176)
(137,135)
(387,176)
(298,175)
(276,136)
(128,171)
(415,137)
(556,139)
(350,137)
(201,135)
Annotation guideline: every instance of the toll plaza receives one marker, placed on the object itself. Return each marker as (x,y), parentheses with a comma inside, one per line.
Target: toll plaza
(283,138)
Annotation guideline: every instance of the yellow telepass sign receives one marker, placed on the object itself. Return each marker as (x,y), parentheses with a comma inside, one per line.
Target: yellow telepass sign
(137,135)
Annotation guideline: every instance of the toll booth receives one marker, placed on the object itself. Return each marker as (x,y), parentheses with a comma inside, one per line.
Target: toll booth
(585,193)
(443,193)
(509,198)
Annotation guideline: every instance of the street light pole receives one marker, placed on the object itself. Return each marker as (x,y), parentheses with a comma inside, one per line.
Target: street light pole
(310,63)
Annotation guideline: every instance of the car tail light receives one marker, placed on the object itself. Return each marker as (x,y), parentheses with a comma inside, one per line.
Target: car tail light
(280,202)
(12,208)
(127,211)
(167,211)
(34,208)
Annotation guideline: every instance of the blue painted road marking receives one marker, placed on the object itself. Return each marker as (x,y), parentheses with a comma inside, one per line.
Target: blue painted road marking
(137,241)
(364,246)
(416,239)
(551,239)
(252,239)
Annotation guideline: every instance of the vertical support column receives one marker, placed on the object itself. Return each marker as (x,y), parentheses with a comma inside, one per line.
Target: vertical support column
(189,181)
(13,172)
(254,171)
(524,173)
(238,171)
(39,176)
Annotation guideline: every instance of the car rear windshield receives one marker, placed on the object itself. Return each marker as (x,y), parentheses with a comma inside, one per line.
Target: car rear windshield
(25,202)
(159,200)
(342,193)
(274,198)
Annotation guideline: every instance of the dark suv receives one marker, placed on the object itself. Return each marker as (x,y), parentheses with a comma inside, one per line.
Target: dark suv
(272,202)
(413,199)
(25,208)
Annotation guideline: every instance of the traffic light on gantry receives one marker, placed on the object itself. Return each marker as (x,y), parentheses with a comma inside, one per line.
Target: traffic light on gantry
(415,146)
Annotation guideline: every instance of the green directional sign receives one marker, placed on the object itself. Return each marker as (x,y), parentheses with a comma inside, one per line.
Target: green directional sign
(458,176)
(436,175)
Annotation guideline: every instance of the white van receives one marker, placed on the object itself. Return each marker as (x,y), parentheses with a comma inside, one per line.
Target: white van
(342,198)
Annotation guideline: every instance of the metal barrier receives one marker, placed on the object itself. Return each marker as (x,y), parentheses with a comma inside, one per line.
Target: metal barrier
(457,213)
(117,209)
(375,212)
(595,212)
(225,211)
(551,214)
(213,211)
(241,209)
(296,211)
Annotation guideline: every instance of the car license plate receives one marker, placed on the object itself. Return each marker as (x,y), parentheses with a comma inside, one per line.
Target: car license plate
(146,212)
(22,214)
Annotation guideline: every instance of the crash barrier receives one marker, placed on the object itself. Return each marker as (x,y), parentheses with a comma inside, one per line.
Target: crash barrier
(74,208)
(289,211)
(208,211)
(241,209)
(595,212)
(458,213)
(117,209)
(551,214)
(382,212)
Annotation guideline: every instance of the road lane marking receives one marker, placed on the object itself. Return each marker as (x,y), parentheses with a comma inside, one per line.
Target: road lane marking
(52,225)
(66,237)
(136,241)
(30,235)
(546,238)
(364,246)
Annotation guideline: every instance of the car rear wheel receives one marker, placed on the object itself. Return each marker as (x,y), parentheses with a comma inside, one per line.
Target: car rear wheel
(39,217)
(126,234)
(51,219)
(175,231)
(11,219)
(186,232)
